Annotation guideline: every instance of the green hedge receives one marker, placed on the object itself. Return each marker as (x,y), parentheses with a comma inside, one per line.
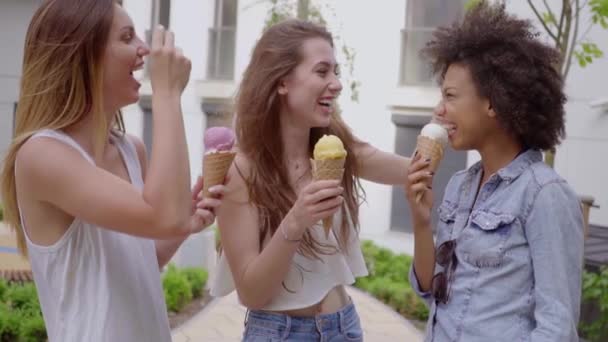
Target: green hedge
(1,212)
(388,281)
(20,315)
(181,285)
(595,294)
(21,318)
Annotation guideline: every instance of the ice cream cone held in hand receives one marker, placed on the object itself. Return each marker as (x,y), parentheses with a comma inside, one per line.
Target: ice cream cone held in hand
(328,164)
(218,156)
(430,145)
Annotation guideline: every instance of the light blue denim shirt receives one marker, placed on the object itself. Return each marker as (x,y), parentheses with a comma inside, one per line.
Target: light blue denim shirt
(520,256)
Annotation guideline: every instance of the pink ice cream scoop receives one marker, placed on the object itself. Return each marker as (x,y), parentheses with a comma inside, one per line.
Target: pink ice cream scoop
(218,139)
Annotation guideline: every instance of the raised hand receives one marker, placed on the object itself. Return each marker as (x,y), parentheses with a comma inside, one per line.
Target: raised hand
(169,69)
(203,209)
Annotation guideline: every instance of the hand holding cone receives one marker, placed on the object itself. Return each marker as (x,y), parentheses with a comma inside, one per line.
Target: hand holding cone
(328,163)
(218,156)
(430,145)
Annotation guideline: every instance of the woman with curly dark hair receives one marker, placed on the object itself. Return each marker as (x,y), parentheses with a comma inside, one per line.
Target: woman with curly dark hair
(509,247)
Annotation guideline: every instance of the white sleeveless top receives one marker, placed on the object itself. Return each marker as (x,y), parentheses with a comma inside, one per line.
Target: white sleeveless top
(95,284)
(308,280)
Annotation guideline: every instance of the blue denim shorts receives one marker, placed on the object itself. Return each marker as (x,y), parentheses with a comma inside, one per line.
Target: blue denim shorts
(343,325)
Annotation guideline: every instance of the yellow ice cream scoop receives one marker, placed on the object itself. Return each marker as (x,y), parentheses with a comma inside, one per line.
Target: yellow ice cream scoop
(328,164)
(329,147)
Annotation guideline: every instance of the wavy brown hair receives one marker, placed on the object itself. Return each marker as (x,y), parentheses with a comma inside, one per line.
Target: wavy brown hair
(258,117)
(510,67)
(61,82)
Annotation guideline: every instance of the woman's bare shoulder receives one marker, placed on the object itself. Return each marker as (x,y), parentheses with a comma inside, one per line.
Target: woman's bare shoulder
(238,178)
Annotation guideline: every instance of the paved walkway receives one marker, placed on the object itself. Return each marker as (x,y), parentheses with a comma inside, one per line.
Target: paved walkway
(222,320)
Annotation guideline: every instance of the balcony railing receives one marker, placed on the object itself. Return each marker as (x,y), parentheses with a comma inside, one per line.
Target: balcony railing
(222,43)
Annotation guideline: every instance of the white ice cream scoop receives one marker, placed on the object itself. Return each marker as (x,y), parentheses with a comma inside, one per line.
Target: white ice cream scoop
(435,132)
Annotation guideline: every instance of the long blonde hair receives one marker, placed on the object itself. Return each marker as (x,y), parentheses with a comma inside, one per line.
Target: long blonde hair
(275,55)
(61,82)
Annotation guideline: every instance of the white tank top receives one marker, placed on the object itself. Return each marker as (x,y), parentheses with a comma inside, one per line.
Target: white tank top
(308,280)
(95,284)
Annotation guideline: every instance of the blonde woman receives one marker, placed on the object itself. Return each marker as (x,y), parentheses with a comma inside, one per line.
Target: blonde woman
(96,221)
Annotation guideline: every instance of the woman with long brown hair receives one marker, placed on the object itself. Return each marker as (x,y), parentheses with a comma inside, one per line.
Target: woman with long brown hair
(77,190)
(287,272)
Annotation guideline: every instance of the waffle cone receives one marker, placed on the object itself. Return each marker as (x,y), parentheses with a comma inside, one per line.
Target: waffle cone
(327,169)
(429,148)
(215,167)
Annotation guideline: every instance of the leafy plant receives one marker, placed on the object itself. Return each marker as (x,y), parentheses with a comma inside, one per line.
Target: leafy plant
(595,290)
(24,298)
(9,324)
(388,282)
(3,289)
(176,288)
(197,277)
(32,329)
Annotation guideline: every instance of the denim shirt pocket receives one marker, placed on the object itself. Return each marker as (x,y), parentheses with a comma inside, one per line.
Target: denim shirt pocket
(482,243)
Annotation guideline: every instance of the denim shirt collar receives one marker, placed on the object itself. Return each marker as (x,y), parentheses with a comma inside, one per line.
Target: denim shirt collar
(515,168)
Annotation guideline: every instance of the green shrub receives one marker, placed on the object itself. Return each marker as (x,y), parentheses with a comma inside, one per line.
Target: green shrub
(388,281)
(176,289)
(23,297)
(3,289)
(595,290)
(33,329)
(10,322)
(1,212)
(197,277)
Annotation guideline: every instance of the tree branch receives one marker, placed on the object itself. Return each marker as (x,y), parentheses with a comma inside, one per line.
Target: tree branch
(540,18)
(574,40)
(550,12)
(560,31)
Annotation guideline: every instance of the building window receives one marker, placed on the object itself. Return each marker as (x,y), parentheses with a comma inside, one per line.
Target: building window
(422,18)
(161,12)
(222,41)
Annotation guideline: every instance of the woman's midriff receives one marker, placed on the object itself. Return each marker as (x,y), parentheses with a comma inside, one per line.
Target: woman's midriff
(336,299)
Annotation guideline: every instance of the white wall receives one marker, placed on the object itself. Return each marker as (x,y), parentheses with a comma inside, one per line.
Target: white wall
(15,16)
(375,33)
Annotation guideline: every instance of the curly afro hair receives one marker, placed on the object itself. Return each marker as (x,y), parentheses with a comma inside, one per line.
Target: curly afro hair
(510,67)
